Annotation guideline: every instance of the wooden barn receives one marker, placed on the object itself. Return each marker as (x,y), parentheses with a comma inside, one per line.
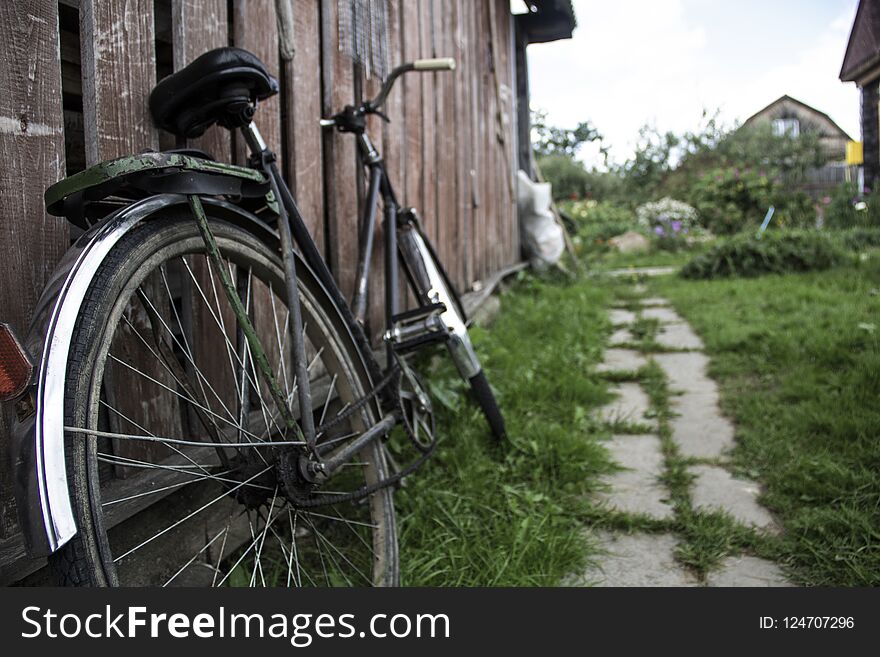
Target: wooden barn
(861,64)
(75,80)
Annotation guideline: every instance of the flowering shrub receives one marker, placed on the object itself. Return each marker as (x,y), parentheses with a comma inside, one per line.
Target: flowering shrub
(668,221)
(730,200)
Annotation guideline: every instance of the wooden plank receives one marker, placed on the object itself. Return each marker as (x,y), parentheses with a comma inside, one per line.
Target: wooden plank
(493,237)
(197,27)
(463,146)
(502,123)
(119,71)
(484,134)
(394,138)
(412,115)
(428,200)
(255,28)
(301,86)
(467,112)
(410,186)
(508,148)
(32,149)
(340,168)
(446,139)
(395,143)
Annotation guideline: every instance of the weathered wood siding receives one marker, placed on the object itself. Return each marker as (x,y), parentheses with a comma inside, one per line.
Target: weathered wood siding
(73,91)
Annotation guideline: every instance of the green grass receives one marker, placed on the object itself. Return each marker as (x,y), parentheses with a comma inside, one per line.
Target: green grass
(798,361)
(653,258)
(478,515)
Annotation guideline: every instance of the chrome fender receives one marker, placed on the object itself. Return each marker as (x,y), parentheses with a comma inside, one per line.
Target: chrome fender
(44,505)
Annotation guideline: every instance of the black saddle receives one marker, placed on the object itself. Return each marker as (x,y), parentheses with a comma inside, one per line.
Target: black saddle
(220,86)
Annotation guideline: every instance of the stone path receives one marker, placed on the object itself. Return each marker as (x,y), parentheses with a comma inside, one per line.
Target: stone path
(700,433)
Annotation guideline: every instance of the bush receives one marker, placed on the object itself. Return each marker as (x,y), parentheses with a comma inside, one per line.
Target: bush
(667,221)
(857,239)
(776,253)
(730,200)
(595,222)
(569,178)
(846,208)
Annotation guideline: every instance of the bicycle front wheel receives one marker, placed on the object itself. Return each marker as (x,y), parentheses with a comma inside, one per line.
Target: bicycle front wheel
(171,430)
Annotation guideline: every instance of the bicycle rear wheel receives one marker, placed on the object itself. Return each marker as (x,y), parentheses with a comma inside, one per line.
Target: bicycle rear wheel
(170,427)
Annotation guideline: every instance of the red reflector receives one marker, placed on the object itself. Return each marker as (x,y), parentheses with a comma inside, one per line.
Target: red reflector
(15,366)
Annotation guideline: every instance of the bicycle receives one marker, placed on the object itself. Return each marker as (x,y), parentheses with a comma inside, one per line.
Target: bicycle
(258,411)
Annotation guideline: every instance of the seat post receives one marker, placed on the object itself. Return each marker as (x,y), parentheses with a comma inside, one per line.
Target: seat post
(253,138)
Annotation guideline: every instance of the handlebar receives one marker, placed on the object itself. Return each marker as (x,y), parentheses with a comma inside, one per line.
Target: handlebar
(437,64)
(420,65)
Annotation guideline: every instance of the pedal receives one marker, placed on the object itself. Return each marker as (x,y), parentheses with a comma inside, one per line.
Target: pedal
(405,346)
(416,328)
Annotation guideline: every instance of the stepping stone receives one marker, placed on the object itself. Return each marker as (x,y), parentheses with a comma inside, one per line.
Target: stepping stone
(631,405)
(619,316)
(640,288)
(623,360)
(665,315)
(654,301)
(699,429)
(636,489)
(638,560)
(678,335)
(621,336)
(642,271)
(715,489)
(747,571)
(686,372)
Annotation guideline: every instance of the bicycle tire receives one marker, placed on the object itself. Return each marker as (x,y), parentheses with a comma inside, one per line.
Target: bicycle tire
(485,398)
(89,559)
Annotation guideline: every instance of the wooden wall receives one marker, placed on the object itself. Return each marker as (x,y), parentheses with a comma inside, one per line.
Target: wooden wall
(73,91)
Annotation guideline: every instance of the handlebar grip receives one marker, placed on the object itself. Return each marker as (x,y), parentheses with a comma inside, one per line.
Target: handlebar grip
(437,64)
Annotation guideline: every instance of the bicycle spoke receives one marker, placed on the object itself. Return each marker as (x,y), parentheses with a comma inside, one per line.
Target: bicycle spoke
(188,516)
(194,557)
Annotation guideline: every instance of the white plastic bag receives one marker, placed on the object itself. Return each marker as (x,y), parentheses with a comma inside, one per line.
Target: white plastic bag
(542,238)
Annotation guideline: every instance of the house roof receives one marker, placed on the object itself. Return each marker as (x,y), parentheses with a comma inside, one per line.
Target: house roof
(547,20)
(788,99)
(863,48)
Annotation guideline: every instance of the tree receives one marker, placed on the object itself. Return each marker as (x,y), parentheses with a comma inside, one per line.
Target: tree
(550,140)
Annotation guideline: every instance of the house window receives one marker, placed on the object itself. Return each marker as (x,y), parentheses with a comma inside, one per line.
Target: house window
(790,127)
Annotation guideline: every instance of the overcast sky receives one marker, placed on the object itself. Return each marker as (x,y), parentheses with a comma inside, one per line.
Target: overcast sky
(633,62)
